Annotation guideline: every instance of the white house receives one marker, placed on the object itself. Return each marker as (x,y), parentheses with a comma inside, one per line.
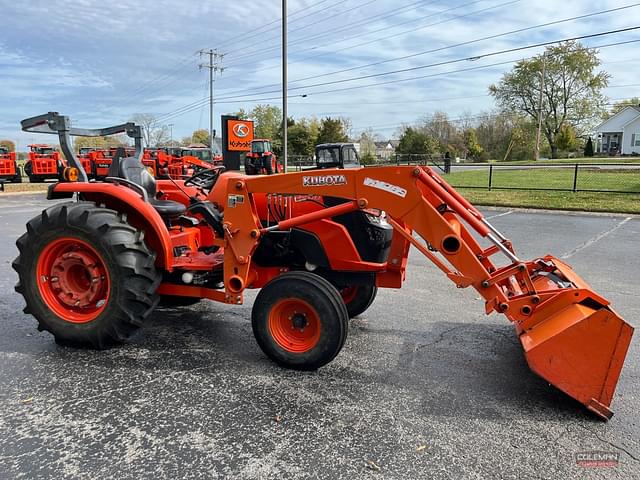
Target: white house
(620,133)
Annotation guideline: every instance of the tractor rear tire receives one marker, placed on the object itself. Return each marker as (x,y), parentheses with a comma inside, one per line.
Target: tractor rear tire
(300,321)
(86,275)
(250,169)
(358,298)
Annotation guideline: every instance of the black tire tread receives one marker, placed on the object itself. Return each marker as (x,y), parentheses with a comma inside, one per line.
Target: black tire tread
(326,289)
(125,246)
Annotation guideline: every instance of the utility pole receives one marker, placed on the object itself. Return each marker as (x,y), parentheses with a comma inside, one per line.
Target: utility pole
(544,70)
(214,66)
(284,83)
(170,134)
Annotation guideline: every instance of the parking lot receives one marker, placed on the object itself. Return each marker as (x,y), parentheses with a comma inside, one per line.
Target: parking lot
(426,386)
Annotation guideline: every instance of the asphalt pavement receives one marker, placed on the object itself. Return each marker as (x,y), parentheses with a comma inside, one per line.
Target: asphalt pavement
(426,386)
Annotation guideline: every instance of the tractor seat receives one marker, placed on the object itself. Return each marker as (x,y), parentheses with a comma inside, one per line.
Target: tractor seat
(133,170)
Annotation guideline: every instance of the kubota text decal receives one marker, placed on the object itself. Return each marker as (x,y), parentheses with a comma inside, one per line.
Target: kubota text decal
(323,180)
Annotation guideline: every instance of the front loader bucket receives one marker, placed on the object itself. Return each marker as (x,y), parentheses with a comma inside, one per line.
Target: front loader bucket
(580,348)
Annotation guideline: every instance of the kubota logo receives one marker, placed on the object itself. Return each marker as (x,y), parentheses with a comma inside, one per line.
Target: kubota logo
(322,180)
(241,130)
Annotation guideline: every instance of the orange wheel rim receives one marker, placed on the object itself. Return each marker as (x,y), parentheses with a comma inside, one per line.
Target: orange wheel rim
(294,325)
(73,280)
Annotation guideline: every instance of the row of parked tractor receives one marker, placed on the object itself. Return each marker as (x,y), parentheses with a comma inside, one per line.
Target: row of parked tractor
(45,162)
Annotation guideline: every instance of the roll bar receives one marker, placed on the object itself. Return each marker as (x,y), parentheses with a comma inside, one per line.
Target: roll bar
(56,124)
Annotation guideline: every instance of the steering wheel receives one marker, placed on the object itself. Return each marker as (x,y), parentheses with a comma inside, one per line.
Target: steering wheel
(204,179)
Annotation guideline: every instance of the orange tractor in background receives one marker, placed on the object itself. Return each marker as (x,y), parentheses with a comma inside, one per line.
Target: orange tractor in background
(9,171)
(261,160)
(318,244)
(86,156)
(185,161)
(44,163)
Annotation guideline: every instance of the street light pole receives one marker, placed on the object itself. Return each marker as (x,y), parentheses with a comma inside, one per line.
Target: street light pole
(284,83)
(171,134)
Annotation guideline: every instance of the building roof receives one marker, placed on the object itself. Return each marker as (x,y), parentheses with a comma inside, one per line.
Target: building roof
(636,108)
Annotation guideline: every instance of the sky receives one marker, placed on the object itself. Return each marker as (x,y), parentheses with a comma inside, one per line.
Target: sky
(101,62)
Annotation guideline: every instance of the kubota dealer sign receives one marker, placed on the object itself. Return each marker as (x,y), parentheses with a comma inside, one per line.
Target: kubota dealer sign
(240,134)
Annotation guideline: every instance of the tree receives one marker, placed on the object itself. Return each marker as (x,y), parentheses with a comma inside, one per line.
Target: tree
(242,114)
(414,141)
(438,127)
(332,130)
(153,134)
(571,93)
(267,121)
(618,106)
(100,142)
(8,144)
(588,148)
(566,139)
(300,139)
(201,136)
(473,148)
(367,142)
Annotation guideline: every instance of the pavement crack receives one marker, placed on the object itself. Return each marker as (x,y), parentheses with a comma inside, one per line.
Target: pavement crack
(614,445)
(440,338)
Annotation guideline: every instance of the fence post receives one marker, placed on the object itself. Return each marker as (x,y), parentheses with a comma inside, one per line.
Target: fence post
(575,179)
(490,176)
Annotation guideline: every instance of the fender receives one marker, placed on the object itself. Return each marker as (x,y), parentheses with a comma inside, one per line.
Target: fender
(139,213)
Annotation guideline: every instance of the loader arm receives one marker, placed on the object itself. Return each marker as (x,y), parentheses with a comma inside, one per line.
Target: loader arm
(570,335)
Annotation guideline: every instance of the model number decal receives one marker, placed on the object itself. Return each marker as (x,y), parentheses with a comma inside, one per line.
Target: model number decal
(387,187)
(323,180)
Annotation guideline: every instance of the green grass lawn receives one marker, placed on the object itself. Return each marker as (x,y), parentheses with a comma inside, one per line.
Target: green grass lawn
(625,180)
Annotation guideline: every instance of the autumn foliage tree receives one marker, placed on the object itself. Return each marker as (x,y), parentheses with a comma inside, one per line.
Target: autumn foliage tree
(571,89)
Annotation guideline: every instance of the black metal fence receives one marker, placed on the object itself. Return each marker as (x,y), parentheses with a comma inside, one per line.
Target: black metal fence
(560,177)
(576,177)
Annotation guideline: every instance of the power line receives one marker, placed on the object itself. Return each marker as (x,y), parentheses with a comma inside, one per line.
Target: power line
(278,20)
(324,19)
(469,42)
(461,44)
(364,34)
(348,26)
(448,62)
(196,104)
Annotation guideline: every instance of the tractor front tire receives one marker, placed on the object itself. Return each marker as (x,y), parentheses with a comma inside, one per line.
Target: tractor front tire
(358,298)
(17,179)
(86,275)
(300,321)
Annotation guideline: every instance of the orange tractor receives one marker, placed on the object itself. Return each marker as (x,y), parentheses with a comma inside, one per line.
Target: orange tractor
(184,162)
(261,160)
(318,244)
(9,170)
(44,163)
(86,156)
